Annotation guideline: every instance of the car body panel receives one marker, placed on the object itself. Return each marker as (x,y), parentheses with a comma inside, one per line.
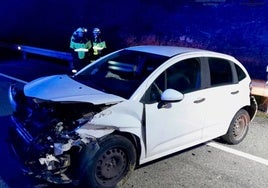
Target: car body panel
(57,88)
(127,114)
(119,117)
(220,111)
(165,129)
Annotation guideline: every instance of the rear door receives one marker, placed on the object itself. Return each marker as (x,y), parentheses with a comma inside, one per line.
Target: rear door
(224,96)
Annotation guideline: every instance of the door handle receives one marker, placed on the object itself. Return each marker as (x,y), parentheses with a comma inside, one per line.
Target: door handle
(234,92)
(199,100)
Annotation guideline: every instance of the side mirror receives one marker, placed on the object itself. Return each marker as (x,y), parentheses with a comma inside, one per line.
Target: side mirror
(171,95)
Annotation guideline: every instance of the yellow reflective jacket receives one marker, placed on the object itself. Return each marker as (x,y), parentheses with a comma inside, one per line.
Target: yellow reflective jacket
(80,48)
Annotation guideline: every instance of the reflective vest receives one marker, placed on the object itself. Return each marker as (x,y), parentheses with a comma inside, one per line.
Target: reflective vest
(98,47)
(81,47)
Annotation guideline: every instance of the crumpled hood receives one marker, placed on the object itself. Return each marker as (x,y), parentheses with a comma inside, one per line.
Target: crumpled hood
(63,88)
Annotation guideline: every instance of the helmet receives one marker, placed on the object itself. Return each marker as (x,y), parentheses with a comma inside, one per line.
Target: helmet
(81,30)
(96,31)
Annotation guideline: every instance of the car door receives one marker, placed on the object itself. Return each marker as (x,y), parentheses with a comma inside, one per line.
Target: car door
(172,126)
(224,97)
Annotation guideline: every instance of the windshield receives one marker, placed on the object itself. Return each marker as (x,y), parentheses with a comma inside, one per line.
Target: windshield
(120,73)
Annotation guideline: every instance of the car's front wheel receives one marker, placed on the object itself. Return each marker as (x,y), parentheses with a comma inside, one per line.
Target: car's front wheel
(238,128)
(112,163)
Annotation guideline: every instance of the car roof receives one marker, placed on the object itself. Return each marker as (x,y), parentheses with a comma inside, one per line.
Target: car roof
(168,51)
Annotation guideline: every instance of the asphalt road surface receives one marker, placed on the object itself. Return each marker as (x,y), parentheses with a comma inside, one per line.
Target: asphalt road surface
(213,164)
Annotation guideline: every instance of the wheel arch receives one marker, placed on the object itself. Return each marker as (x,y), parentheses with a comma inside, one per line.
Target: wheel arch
(237,131)
(252,108)
(134,140)
(87,178)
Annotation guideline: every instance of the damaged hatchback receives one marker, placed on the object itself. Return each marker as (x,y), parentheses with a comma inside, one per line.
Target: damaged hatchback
(129,107)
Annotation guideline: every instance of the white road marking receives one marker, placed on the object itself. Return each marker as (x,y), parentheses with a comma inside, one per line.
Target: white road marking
(239,153)
(13,78)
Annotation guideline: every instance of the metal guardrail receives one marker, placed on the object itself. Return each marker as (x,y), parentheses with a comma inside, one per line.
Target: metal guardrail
(39,51)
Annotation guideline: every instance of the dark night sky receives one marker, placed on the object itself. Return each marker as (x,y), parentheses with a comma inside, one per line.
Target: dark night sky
(239,28)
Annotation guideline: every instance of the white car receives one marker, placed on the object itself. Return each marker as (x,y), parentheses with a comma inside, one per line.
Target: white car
(130,107)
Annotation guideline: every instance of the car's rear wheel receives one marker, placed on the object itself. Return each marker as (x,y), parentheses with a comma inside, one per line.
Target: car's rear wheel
(112,164)
(238,128)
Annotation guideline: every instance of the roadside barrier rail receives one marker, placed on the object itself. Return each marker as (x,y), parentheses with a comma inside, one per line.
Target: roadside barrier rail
(38,51)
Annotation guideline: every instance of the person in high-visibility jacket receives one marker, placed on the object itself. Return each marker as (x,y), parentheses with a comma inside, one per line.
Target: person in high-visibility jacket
(98,44)
(81,46)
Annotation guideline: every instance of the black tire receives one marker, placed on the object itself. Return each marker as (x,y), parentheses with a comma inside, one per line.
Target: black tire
(238,128)
(112,164)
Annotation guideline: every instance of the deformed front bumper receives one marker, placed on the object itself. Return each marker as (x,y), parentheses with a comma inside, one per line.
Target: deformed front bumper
(58,163)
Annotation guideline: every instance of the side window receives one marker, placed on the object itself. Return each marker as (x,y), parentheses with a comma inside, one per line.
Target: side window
(153,93)
(220,71)
(240,73)
(183,76)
